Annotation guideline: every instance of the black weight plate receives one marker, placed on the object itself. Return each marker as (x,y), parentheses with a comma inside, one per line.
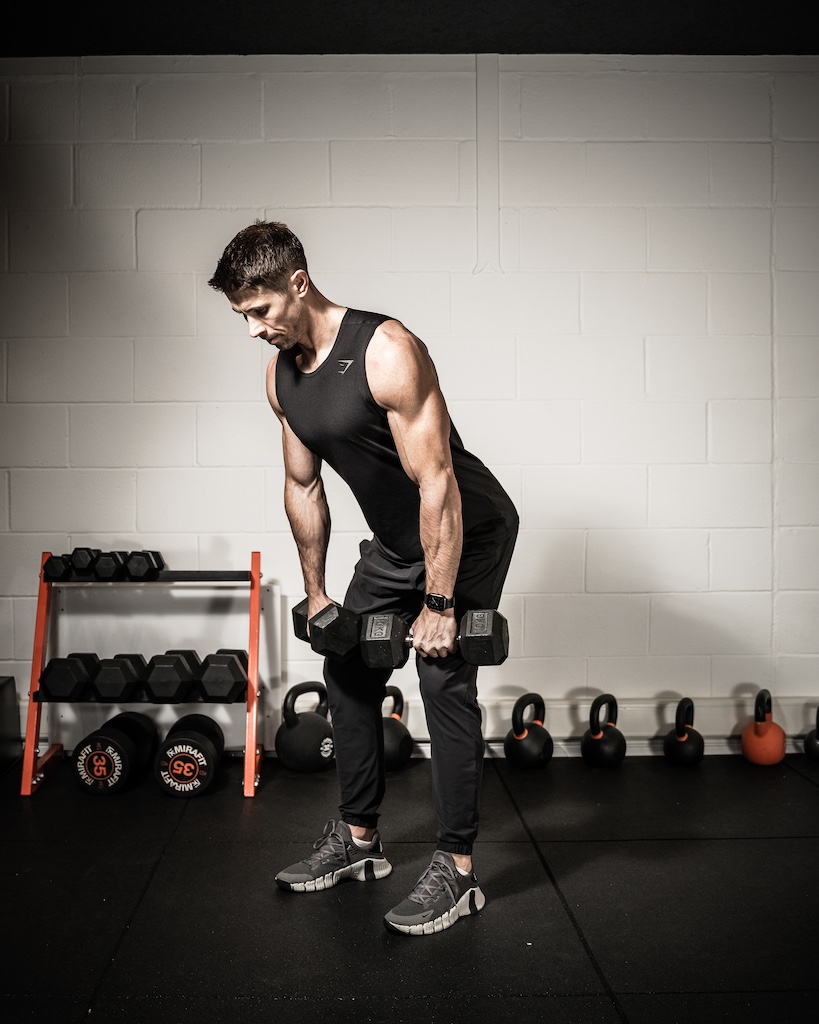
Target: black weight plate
(142,731)
(201,724)
(186,764)
(104,761)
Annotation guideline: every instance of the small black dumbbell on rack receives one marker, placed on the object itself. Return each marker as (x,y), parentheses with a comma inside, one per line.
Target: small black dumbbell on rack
(386,640)
(83,561)
(188,758)
(144,566)
(172,677)
(109,566)
(119,679)
(116,753)
(68,678)
(57,569)
(223,677)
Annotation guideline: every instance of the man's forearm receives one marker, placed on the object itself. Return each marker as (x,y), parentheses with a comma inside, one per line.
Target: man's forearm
(309,517)
(441,527)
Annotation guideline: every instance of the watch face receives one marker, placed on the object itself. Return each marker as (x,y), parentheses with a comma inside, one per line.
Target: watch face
(436,602)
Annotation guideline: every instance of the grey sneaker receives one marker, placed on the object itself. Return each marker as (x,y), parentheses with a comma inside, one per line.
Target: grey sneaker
(441,895)
(336,858)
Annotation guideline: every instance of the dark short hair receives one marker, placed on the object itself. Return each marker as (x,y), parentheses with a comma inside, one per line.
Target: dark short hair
(262,255)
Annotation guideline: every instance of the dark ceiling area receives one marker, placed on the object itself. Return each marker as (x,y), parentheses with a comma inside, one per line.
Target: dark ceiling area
(234,27)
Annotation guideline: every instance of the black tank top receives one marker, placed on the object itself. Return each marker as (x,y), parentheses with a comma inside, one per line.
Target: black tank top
(333,413)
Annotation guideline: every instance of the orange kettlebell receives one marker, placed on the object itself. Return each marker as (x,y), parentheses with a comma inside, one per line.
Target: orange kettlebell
(763,741)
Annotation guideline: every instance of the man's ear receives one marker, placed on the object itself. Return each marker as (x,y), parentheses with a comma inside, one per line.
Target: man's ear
(300,281)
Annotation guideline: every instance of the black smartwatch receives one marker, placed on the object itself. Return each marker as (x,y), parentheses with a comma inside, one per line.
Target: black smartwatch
(438,603)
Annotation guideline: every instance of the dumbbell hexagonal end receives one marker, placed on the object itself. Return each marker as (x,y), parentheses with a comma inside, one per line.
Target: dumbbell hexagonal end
(144,565)
(384,641)
(57,569)
(169,679)
(223,678)
(110,566)
(83,560)
(484,637)
(67,679)
(334,633)
(300,621)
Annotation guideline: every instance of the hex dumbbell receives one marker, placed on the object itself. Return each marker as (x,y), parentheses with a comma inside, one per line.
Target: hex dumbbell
(68,678)
(83,561)
(109,566)
(332,633)
(57,569)
(386,639)
(223,676)
(144,566)
(171,678)
(119,678)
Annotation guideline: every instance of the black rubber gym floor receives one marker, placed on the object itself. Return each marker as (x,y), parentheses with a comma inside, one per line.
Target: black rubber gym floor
(647,894)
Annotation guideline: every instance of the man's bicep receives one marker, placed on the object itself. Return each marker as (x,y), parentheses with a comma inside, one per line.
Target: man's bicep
(301,466)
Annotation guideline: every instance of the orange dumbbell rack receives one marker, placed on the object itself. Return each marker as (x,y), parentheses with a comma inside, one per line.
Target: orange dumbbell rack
(36,767)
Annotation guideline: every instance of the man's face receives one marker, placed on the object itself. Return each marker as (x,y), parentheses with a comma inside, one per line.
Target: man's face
(275,317)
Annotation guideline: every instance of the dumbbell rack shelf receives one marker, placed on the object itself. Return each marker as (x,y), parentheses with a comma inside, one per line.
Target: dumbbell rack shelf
(36,767)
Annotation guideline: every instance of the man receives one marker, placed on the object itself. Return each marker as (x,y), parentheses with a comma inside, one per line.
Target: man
(359,390)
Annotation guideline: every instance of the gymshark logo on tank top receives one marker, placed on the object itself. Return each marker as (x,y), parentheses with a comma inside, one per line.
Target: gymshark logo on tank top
(345,365)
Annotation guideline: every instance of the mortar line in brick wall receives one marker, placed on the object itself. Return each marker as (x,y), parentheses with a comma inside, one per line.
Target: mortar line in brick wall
(775,461)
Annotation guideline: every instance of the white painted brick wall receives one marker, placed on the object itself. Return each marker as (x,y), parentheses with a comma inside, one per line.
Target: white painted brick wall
(739,304)
(739,431)
(643,432)
(70,370)
(640,368)
(199,107)
(710,367)
(72,240)
(646,561)
(686,496)
(132,435)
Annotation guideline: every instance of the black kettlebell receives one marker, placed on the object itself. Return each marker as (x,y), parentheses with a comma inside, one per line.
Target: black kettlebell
(304,741)
(528,746)
(603,746)
(684,745)
(812,741)
(397,738)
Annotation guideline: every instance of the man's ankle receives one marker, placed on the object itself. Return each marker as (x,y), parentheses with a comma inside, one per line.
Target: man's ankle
(364,834)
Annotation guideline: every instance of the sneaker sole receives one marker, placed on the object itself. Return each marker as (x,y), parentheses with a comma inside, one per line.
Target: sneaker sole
(472,902)
(362,871)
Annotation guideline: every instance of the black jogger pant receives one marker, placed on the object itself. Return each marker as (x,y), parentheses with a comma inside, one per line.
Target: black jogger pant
(448,688)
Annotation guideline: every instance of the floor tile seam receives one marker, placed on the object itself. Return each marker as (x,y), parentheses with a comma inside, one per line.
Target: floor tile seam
(740,992)
(134,910)
(802,774)
(567,910)
(309,1000)
(681,839)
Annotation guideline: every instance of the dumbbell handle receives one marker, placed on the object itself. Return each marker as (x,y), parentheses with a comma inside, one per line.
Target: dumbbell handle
(409,638)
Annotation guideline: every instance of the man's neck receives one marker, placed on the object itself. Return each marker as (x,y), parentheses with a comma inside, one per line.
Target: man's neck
(321,329)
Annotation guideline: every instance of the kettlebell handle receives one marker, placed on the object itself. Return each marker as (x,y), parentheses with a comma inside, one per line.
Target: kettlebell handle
(521,704)
(604,700)
(762,706)
(397,702)
(685,718)
(289,707)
